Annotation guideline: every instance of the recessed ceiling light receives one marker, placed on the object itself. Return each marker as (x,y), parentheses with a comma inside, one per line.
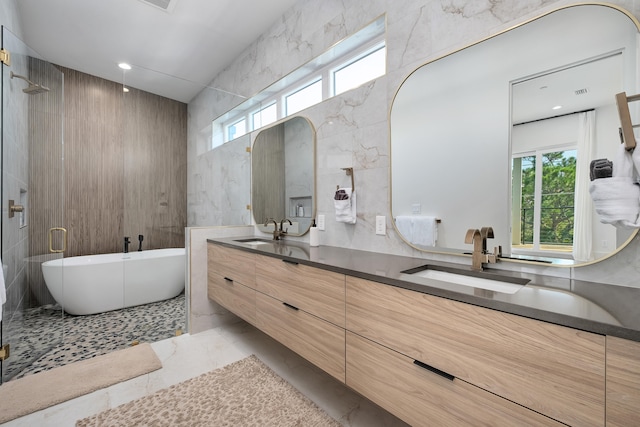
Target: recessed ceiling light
(557,107)
(124,66)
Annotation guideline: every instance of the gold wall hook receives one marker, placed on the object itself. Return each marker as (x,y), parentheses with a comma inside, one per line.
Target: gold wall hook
(349,172)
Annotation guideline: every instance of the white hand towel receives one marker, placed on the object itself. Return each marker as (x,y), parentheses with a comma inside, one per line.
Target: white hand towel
(346,209)
(418,230)
(403,222)
(425,230)
(3,290)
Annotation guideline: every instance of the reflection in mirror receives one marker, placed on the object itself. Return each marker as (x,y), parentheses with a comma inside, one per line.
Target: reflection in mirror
(283,176)
(460,124)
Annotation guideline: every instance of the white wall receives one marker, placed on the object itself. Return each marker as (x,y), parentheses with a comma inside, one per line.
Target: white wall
(353,128)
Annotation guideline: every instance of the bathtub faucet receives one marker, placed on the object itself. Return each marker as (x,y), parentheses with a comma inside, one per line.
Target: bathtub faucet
(126,245)
(140,239)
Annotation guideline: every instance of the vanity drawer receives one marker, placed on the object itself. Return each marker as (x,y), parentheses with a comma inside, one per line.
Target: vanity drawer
(554,370)
(320,342)
(623,382)
(234,264)
(316,291)
(235,297)
(419,396)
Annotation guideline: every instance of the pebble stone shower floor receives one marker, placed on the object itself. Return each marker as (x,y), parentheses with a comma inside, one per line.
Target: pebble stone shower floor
(77,338)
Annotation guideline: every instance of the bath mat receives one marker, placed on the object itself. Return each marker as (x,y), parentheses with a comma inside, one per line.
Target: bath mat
(39,391)
(244,393)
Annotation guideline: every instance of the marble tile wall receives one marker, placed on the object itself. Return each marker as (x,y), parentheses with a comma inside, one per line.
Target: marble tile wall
(353,128)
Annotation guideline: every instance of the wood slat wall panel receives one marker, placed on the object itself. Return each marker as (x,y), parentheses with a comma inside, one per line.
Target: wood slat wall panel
(124,171)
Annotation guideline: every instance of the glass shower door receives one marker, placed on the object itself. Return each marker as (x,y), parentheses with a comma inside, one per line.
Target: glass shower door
(32,205)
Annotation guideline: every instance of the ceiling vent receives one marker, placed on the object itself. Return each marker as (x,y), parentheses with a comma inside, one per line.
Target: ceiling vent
(583,91)
(166,5)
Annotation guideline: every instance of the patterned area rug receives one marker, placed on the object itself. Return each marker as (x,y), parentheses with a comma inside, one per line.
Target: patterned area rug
(244,393)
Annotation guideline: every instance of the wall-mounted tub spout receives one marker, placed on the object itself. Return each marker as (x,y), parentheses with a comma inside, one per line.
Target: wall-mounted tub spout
(126,245)
(140,239)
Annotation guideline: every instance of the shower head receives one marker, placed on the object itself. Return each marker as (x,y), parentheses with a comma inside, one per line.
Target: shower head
(33,88)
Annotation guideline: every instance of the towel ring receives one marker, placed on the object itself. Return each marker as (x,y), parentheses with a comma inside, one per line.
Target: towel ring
(349,172)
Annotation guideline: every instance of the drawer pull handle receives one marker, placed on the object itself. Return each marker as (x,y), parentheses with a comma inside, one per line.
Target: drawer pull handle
(228,280)
(434,370)
(291,306)
(289,262)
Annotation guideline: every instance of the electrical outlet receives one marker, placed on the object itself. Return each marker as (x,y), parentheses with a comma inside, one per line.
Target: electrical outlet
(320,223)
(381,226)
(416,208)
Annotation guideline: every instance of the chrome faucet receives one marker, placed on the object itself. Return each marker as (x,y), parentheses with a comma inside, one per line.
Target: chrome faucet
(480,254)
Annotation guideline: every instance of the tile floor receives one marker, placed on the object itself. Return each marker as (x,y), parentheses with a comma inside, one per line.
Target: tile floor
(46,340)
(188,355)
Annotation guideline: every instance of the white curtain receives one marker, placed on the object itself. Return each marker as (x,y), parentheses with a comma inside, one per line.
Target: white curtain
(583,205)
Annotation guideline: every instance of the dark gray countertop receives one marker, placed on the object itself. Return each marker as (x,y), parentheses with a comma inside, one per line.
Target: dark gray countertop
(593,307)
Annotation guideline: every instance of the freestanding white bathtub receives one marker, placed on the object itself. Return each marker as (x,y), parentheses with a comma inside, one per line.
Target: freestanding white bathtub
(97,283)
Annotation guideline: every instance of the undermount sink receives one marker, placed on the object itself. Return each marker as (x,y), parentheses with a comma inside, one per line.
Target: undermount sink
(482,280)
(254,241)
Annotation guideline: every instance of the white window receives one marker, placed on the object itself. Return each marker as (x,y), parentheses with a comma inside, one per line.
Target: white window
(237,129)
(346,65)
(363,69)
(544,187)
(305,97)
(265,116)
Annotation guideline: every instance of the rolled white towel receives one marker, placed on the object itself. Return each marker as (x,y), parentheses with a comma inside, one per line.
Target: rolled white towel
(616,200)
(346,209)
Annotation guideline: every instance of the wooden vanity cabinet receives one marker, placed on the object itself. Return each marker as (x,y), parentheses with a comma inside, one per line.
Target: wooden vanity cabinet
(237,265)
(303,308)
(300,306)
(553,370)
(318,341)
(231,278)
(419,396)
(316,291)
(623,382)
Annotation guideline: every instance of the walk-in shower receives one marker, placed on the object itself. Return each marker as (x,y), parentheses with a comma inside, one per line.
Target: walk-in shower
(33,88)
(89,165)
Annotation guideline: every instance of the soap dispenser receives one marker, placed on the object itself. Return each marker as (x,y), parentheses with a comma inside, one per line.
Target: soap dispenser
(313,234)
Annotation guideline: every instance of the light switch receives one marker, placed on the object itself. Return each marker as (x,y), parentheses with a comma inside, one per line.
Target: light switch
(381,226)
(320,223)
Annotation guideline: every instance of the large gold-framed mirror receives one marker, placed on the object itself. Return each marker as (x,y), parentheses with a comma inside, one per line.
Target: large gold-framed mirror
(283,176)
(459,124)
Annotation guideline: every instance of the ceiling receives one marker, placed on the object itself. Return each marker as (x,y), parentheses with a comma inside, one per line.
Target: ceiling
(583,86)
(175,52)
